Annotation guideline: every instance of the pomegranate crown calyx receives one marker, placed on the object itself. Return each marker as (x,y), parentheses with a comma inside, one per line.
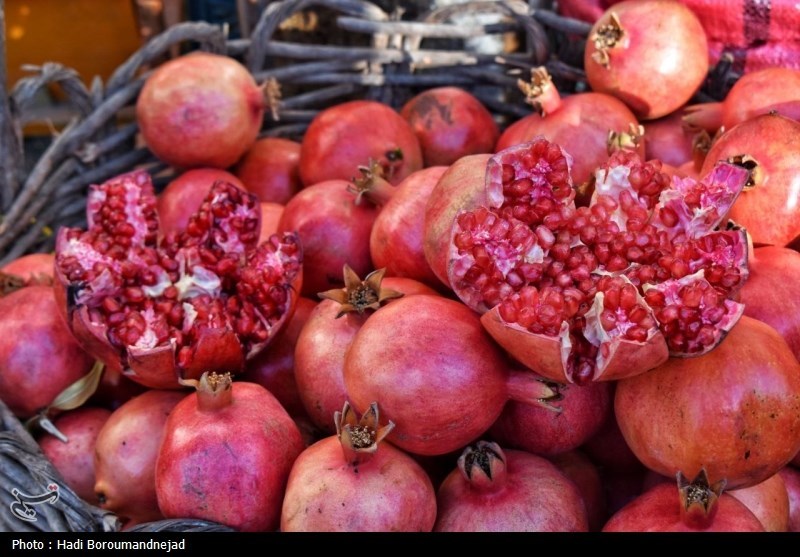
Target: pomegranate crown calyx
(698,495)
(360,295)
(361,435)
(607,36)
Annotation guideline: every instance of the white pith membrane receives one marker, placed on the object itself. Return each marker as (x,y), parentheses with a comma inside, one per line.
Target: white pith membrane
(707,204)
(193,281)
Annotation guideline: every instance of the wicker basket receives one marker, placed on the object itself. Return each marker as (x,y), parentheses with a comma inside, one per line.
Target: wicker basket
(368,53)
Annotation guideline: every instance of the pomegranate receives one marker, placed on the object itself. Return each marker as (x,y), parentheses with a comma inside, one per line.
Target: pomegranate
(115,389)
(204,470)
(496,490)
(323,341)
(734,411)
(125,456)
(770,293)
(450,123)
(791,480)
(273,368)
(576,466)
(27,270)
(652,55)
(768,146)
(541,431)
(669,139)
(755,93)
(74,457)
(200,109)
(271,169)
(352,482)
(396,239)
(433,350)
(333,230)
(39,357)
(270,217)
(695,506)
(583,124)
(373,132)
(599,292)
(769,501)
(160,309)
(183,196)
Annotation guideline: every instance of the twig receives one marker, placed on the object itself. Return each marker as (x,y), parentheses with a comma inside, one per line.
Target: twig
(11,152)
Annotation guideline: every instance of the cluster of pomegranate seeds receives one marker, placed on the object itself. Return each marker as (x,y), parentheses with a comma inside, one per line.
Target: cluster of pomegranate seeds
(210,296)
(642,265)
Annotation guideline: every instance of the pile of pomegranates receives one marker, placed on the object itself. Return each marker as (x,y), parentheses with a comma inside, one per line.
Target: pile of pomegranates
(418,319)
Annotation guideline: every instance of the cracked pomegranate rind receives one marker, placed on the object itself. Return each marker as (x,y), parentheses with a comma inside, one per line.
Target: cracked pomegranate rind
(606,291)
(161,309)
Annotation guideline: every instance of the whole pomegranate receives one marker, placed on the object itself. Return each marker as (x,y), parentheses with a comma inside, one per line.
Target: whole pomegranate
(226,455)
(496,490)
(27,270)
(200,109)
(351,134)
(271,169)
(450,123)
(164,308)
(125,456)
(769,501)
(734,411)
(356,483)
(791,480)
(651,54)
(670,140)
(39,357)
(579,468)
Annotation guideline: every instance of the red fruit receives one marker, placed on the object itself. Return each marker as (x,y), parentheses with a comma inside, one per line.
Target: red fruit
(333,230)
(608,449)
(769,294)
(270,217)
(27,270)
(271,169)
(163,308)
(324,339)
(184,195)
(200,109)
(397,236)
(583,124)
(753,94)
(732,411)
(125,456)
(652,55)
(496,490)
(791,480)
(669,140)
(769,501)
(115,389)
(273,368)
(351,134)
(768,146)
(541,431)
(576,466)
(439,377)
(354,483)
(450,123)
(39,357)
(599,292)
(226,455)
(74,458)
(691,507)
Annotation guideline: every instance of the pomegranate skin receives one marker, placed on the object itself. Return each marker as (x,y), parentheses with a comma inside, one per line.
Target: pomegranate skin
(125,456)
(39,356)
(769,501)
(791,480)
(659,510)
(390,492)
(206,471)
(576,466)
(734,411)
(74,459)
(200,109)
(668,140)
(271,169)
(31,266)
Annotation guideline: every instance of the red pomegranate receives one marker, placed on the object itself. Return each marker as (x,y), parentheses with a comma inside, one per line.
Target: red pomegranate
(496,490)
(733,411)
(576,466)
(226,455)
(125,456)
(200,109)
(39,357)
(791,480)
(356,483)
(450,123)
(270,217)
(351,134)
(271,169)
(652,55)
(669,139)
(27,270)
(163,308)
(769,501)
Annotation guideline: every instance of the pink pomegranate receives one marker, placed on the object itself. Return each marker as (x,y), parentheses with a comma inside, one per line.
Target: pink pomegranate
(496,490)
(200,109)
(164,308)
(226,455)
(791,480)
(271,169)
(355,483)
(769,501)
(27,270)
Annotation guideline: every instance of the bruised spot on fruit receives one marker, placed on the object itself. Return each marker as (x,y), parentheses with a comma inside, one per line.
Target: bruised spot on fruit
(750,164)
